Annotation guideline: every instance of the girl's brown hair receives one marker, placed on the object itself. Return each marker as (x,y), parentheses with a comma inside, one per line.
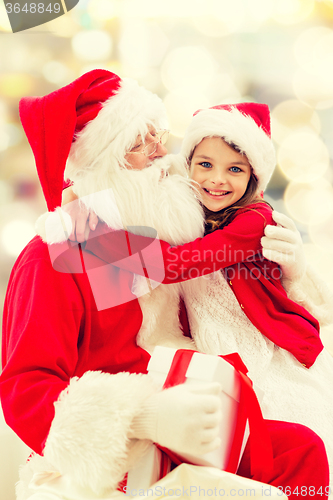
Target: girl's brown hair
(218,220)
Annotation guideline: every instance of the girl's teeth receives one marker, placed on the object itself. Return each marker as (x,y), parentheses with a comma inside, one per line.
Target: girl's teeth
(217,194)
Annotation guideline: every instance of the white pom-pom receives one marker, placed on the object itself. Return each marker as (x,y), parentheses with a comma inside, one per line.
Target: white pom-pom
(54,227)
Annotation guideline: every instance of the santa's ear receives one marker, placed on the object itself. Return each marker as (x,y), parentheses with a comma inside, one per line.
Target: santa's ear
(54,227)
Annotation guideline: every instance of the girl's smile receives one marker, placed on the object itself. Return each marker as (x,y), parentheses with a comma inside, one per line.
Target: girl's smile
(221,172)
(217,193)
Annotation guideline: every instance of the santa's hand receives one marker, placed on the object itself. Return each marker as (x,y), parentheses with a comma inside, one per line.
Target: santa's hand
(283,244)
(185,418)
(82,219)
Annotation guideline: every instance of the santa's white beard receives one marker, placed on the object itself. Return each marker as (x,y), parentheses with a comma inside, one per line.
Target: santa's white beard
(137,199)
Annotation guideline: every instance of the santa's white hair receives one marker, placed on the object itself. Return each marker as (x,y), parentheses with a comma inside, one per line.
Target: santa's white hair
(101,146)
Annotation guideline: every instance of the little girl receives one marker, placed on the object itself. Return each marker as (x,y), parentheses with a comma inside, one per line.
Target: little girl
(244,309)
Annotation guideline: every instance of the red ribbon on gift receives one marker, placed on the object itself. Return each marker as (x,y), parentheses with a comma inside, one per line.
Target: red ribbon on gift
(261,453)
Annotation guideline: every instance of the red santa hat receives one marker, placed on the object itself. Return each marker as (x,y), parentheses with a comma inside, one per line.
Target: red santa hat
(98,114)
(245,125)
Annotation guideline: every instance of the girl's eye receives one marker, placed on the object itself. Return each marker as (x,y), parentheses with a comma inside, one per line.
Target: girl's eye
(235,169)
(206,164)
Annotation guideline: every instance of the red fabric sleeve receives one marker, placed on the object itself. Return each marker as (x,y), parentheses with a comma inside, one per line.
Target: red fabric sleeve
(237,242)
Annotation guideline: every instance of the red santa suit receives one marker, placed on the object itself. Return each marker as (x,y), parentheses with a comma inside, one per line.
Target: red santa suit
(52,334)
(73,376)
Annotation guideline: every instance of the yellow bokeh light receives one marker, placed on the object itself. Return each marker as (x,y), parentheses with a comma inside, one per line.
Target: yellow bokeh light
(142,44)
(307,46)
(260,10)
(3,111)
(4,21)
(314,90)
(223,90)
(320,259)
(328,8)
(232,16)
(292,11)
(313,81)
(309,203)
(64,26)
(4,139)
(303,157)
(11,134)
(15,84)
(151,80)
(27,60)
(291,116)
(93,45)
(188,67)
(158,8)
(16,234)
(220,17)
(212,26)
(322,235)
(180,106)
(6,196)
(57,72)
(115,66)
(102,10)
(319,255)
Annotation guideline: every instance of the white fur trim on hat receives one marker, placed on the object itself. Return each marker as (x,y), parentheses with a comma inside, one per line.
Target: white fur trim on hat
(101,146)
(236,128)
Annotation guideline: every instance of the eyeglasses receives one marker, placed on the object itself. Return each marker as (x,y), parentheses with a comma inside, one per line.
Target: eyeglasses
(160,137)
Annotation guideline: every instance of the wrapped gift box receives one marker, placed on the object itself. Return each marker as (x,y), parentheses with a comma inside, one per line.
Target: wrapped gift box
(205,368)
(202,368)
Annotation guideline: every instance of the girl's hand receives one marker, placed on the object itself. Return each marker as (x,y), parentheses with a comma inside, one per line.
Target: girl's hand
(283,244)
(83,220)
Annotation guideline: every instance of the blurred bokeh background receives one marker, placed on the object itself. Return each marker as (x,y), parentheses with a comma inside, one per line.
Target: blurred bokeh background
(192,53)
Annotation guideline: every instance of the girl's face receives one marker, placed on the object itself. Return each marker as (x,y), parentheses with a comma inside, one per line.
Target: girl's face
(221,172)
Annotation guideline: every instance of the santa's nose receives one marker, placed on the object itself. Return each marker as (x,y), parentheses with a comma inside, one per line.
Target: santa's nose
(161,151)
